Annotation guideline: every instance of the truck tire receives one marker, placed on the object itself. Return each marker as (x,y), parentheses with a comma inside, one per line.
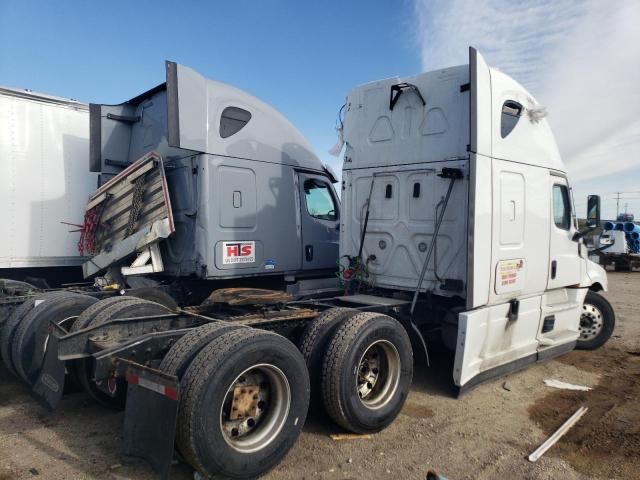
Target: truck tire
(130,307)
(597,321)
(367,372)
(83,321)
(16,287)
(7,330)
(9,327)
(154,295)
(31,335)
(313,344)
(182,353)
(85,318)
(5,313)
(270,412)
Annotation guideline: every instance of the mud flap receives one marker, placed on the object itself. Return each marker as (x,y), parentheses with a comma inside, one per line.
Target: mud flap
(150,416)
(49,386)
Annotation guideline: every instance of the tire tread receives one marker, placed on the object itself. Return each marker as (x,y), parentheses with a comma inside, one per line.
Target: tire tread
(65,299)
(333,364)
(195,380)
(182,353)
(9,328)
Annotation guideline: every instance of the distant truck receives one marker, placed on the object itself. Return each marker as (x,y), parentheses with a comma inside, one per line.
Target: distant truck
(44,182)
(457,226)
(613,252)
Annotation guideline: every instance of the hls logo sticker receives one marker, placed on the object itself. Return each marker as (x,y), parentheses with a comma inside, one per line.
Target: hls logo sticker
(238,252)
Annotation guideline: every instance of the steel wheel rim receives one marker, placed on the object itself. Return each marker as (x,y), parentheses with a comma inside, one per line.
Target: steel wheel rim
(252,432)
(378,374)
(61,323)
(591,322)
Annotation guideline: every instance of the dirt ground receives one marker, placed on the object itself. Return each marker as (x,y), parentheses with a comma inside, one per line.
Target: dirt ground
(486,434)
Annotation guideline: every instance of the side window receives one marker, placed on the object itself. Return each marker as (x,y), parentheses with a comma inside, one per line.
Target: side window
(320,202)
(561,207)
(232,120)
(511,111)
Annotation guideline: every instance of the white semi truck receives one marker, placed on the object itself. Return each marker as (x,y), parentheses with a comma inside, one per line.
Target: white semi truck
(456,226)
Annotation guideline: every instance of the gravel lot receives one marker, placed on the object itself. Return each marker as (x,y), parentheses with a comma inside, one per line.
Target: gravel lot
(486,434)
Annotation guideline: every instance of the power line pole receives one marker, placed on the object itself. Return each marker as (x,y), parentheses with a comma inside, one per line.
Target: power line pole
(617,203)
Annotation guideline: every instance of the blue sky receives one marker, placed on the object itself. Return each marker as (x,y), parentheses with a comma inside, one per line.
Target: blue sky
(301,57)
(578,57)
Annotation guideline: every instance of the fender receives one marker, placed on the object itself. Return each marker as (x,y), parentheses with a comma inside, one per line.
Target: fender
(595,277)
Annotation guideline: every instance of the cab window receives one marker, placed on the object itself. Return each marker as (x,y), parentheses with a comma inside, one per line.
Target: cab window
(511,112)
(232,120)
(561,207)
(320,202)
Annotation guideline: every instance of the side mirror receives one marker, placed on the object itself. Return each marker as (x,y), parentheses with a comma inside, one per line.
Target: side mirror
(593,211)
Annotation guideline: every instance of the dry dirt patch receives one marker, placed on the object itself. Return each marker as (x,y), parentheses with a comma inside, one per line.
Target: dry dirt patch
(606,441)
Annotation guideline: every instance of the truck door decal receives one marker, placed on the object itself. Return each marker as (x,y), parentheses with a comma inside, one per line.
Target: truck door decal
(238,252)
(510,275)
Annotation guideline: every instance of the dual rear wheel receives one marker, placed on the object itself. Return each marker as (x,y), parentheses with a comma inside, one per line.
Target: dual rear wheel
(120,307)
(244,392)
(24,336)
(361,367)
(244,398)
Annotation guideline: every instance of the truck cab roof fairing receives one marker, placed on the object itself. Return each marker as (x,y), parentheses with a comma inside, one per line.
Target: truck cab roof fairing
(190,114)
(440,119)
(428,122)
(196,106)
(530,141)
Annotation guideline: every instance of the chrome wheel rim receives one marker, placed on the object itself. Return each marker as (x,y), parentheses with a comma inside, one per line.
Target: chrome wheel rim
(255,408)
(591,322)
(378,374)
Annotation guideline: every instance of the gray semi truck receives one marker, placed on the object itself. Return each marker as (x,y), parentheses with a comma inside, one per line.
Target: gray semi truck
(456,227)
(234,189)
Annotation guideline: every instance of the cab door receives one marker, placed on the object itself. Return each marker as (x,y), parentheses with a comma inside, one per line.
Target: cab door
(319,220)
(565,263)
(562,302)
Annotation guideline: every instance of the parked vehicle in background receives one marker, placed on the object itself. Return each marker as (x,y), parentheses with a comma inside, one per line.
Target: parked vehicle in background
(618,247)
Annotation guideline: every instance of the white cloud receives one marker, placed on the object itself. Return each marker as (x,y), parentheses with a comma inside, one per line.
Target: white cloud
(581,59)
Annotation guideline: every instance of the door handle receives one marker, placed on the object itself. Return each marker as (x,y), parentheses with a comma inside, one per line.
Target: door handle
(554,269)
(308,252)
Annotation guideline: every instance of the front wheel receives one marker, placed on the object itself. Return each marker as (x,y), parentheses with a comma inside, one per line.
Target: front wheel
(597,321)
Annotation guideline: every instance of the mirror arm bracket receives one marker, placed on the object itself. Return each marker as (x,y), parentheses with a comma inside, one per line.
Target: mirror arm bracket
(578,235)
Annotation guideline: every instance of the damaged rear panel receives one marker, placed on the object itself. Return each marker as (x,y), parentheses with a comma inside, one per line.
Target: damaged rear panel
(400,134)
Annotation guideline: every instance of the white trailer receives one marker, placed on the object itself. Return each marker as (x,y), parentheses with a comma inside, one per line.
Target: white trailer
(44,181)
